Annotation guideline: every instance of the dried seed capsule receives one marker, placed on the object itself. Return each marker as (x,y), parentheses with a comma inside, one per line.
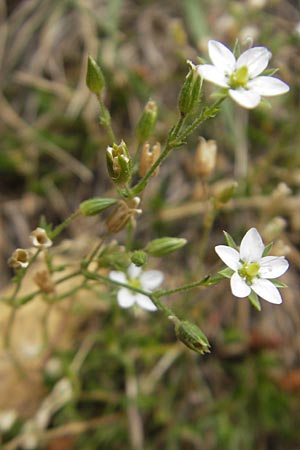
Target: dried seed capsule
(148,157)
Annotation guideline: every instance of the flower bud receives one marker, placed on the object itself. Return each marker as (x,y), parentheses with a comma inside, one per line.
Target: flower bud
(163,246)
(122,214)
(95,205)
(118,163)
(40,239)
(148,157)
(191,335)
(94,76)
(147,122)
(139,258)
(274,228)
(19,259)
(224,191)
(205,159)
(189,96)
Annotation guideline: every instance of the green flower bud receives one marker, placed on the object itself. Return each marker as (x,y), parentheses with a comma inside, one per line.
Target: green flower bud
(191,335)
(224,191)
(165,245)
(95,205)
(147,122)
(118,163)
(94,77)
(189,96)
(139,258)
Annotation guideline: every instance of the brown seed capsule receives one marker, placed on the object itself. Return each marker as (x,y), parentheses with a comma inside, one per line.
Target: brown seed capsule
(124,211)
(43,281)
(19,259)
(40,239)
(148,157)
(205,159)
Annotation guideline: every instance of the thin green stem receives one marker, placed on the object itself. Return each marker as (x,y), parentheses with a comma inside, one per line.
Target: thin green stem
(105,119)
(153,296)
(206,113)
(209,280)
(64,225)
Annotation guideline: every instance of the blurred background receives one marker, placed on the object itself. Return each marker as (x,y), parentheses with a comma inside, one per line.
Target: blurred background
(133,386)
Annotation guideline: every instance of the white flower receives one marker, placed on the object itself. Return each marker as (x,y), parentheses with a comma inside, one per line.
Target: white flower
(240,76)
(147,281)
(252,270)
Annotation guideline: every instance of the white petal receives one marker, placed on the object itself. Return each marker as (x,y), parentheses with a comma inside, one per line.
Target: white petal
(266,290)
(125,298)
(151,279)
(256,59)
(239,287)
(144,302)
(120,277)
(252,246)
(268,86)
(229,256)
(272,266)
(212,74)
(134,271)
(246,98)
(221,56)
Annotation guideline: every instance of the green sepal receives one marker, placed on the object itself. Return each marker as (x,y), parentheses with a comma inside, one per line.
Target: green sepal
(227,272)
(267,249)
(254,300)
(230,241)
(95,205)
(279,284)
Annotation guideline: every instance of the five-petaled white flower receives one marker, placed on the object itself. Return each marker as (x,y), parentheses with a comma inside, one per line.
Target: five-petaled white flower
(147,281)
(252,270)
(240,76)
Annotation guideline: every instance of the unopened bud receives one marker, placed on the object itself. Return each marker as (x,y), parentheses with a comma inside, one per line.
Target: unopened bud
(125,211)
(189,96)
(147,122)
(274,228)
(165,245)
(118,163)
(139,258)
(224,191)
(40,239)
(205,159)
(19,259)
(191,335)
(94,77)
(148,157)
(95,205)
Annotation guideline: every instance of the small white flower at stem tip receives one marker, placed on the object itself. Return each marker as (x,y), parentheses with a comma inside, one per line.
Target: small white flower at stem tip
(241,76)
(146,280)
(251,270)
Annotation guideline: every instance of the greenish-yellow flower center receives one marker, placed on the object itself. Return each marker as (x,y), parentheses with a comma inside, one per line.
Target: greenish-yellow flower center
(249,270)
(135,283)
(239,78)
